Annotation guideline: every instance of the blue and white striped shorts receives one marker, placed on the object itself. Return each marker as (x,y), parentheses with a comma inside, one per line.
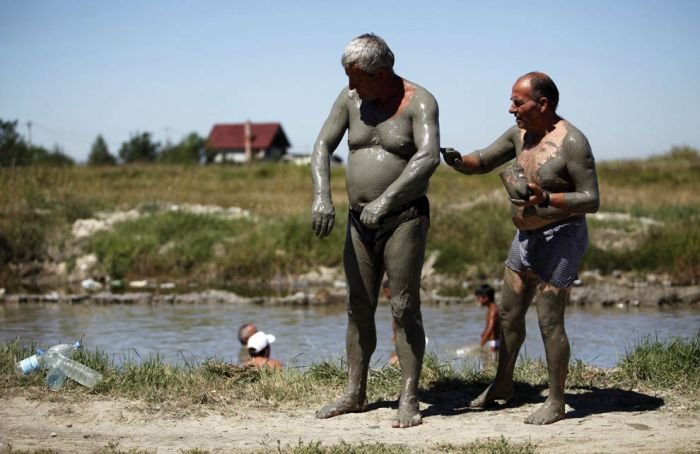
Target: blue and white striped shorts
(553,252)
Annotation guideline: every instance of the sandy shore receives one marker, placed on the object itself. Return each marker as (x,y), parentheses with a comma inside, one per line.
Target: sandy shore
(598,420)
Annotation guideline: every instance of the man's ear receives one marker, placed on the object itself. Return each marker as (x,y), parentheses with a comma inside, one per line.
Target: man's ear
(542,104)
(382,73)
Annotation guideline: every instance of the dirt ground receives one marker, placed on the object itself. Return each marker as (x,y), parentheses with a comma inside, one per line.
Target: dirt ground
(598,420)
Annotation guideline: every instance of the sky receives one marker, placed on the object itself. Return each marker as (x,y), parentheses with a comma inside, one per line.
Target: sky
(627,71)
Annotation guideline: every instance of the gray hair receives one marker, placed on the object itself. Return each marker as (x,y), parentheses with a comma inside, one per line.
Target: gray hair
(369,52)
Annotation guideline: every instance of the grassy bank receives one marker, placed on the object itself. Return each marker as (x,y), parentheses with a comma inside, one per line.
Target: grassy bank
(670,366)
(470,228)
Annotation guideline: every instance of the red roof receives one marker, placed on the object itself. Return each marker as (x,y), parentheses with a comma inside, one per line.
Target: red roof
(232,135)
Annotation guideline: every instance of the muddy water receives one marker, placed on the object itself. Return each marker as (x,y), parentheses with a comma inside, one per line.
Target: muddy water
(193,333)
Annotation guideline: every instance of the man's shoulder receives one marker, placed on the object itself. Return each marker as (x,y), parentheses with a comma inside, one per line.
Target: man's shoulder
(575,139)
(571,128)
(420,91)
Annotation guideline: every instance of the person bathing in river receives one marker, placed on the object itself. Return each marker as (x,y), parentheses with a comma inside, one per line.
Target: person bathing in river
(259,350)
(490,336)
(245,331)
(551,187)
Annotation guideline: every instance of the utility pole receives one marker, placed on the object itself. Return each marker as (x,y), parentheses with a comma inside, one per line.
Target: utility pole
(29,134)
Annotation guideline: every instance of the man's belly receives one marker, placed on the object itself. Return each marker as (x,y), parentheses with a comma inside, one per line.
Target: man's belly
(533,222)
(369,172)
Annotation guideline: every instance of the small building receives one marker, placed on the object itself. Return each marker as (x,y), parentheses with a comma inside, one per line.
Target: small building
(246,142)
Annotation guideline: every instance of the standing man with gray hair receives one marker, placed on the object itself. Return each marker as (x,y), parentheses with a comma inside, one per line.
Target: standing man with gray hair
(393,141)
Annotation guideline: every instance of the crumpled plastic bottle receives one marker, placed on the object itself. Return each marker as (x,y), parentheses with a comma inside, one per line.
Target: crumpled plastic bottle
(74,370)
(29,365)
(59,366)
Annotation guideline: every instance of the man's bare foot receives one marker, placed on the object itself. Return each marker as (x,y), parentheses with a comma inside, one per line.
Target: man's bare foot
(548,413)
(408,415)
(492,394)
(344,404)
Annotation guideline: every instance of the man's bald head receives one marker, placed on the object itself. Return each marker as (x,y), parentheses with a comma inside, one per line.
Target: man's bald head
(541,86)
(245,331)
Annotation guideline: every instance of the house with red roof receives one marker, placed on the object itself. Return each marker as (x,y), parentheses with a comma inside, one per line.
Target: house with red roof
(246,142)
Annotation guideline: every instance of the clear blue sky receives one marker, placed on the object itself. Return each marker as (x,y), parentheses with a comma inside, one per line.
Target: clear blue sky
(627,71)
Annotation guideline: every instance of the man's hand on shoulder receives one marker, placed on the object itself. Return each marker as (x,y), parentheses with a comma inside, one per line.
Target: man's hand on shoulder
(322,217)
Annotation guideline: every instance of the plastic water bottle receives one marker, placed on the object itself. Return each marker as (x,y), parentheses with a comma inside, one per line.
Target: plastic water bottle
(67,349)
(55,379)
(81,373)
(28,365)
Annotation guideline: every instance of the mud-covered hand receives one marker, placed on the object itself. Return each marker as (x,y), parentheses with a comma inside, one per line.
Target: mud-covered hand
(452,157)
(322,217)
(373,212)
(538,196)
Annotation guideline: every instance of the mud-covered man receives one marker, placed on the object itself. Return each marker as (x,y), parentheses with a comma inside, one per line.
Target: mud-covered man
(551,238)
(393,141)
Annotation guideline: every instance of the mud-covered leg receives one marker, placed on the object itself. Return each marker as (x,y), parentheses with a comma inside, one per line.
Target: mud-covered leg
(518,292)
(551,304)
(404,255)
(363,271)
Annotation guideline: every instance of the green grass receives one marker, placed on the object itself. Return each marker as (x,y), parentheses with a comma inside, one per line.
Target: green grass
(470,226)
(673,247)
(672,364)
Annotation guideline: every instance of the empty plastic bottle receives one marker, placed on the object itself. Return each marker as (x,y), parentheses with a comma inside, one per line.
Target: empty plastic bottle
(55,379)
(67,349)
(28,365)
(81,373)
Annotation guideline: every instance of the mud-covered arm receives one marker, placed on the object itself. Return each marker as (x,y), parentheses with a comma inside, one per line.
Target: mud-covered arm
(413,180)
(580,165)
(485,160)
(322,209)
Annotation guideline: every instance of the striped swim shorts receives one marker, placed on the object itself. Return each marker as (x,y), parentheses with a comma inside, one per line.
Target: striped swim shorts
(553,252)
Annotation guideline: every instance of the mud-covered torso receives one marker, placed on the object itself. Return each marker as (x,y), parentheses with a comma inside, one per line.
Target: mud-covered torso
(544,163)
(380,146)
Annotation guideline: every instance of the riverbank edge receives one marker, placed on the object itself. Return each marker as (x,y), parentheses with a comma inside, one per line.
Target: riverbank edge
(596,295)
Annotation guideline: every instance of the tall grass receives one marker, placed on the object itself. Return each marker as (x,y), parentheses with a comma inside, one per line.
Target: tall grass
(670,364)
(470,225)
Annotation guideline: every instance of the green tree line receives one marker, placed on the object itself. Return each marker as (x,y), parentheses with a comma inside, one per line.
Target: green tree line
(140,148)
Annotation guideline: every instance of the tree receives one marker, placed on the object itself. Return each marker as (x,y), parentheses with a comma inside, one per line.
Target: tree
(13,149)
(186,152)
(99,153)
(55,158)
(140,148)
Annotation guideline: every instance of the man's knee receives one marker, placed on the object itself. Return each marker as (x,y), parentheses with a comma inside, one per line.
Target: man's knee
(403,307)
(551,304)
(361,313)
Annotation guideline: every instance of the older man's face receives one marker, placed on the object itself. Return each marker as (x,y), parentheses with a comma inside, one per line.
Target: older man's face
(526,110)
(366,85)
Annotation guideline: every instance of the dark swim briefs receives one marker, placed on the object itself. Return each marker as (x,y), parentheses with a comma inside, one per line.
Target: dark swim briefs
(553,252)
(388,223)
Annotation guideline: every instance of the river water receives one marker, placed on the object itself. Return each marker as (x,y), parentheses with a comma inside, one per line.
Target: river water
(195,332)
